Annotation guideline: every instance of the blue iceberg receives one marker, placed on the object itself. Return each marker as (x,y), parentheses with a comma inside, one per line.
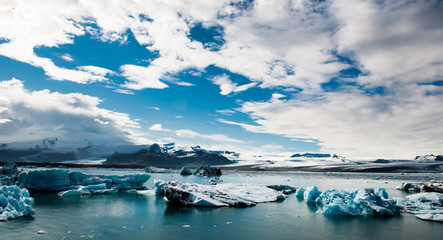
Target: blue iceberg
(78,183)
(352,202)
(15,202)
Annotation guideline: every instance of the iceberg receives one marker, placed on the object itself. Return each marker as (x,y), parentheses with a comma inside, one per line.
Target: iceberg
(311,194)
(45,180)
(286,189)
(78,183)
(425,206)
(220,195)
(15,202)
(159,170)
(352,202)
(185,171)
(88,190)
(207,171)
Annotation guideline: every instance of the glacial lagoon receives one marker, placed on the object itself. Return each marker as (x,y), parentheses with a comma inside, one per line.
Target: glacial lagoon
(148,216)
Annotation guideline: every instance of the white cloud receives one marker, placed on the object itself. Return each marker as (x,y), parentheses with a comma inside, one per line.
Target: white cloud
(158,127)
(5,120)
(41,114)
(227,86)
(179,117)
(226,112)
(354,124)
(274,43)
(395,41)
(142,77)
(124,91)
(154,108)
(67,57)
(185,133)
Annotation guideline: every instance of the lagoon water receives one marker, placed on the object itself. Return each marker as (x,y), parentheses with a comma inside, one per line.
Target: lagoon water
(132,216)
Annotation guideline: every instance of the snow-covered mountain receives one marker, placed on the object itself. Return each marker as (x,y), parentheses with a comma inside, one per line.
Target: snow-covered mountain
(429,158)
(169,156)
(58,150)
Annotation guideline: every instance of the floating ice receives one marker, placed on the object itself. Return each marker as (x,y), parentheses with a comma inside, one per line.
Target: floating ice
(286,189)
(185,171)
(159,170)
(207,171)
(311,194)
(45,180)
(352,202)
(15,202)
(78,183)
(87,190)
(220,195)
(426,206)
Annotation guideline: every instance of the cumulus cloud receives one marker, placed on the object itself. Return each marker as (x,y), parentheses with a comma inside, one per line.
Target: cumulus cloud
(36,115)
(158,127)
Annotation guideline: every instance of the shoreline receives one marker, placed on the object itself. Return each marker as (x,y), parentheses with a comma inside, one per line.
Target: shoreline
(348,168)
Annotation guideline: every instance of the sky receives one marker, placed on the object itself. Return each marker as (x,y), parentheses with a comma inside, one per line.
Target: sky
(358,78)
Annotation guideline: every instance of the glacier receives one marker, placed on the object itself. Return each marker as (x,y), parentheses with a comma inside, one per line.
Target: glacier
(15,202)
(78,183)
(220,195)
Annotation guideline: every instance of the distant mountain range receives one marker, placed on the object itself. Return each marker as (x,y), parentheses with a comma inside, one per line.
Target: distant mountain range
(164,157)
(51,150)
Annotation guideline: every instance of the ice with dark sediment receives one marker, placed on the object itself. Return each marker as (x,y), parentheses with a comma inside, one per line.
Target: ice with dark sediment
(220,195)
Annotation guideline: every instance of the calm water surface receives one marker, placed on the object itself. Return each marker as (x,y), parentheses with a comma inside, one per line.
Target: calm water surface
(132,216)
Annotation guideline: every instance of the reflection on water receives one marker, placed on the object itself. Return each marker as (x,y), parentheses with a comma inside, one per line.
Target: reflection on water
(132,216)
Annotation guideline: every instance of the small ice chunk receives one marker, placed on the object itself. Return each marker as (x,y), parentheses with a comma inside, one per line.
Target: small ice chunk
(311,194)
(185,171)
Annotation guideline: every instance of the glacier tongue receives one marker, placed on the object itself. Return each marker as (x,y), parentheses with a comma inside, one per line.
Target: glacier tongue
(220,195)
(15,202)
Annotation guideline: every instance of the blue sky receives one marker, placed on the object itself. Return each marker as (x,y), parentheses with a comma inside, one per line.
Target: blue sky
(358,78)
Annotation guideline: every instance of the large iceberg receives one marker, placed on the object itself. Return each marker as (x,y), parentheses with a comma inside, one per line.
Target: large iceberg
(15,202)
(220,195)
(352,202)
(426,206)
(56,180)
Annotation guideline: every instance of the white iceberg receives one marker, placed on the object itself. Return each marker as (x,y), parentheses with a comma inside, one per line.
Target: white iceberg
(88,190)
(220,195)
(425,206)
(56,180)
(15,202)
